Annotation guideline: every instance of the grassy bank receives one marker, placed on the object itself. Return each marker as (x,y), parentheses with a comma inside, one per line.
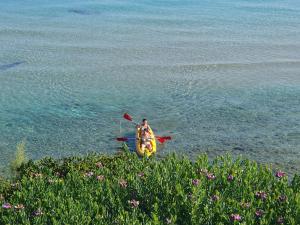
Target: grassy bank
(124,189)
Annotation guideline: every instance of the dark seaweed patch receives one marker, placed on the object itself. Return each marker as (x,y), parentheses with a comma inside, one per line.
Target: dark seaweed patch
(79,11)
(11,65)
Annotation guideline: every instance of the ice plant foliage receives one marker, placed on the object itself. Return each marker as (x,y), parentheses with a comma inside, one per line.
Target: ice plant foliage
(132,190)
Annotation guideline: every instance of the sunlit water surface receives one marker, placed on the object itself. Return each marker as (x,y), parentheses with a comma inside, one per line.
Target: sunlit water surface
(217,76)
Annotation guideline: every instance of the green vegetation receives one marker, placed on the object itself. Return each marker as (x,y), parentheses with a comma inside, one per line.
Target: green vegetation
(124,189)
(20,158)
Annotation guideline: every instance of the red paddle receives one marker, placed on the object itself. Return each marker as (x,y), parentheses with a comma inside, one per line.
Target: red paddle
(124,139)
(163,139)
(129,118)
(160,139)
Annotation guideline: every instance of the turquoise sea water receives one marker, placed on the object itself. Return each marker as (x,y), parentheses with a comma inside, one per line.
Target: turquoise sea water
(217,76)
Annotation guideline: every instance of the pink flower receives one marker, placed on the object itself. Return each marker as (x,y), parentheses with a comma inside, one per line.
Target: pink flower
(235,217)
(99,165)
(168,221)
(280,220)
(141,174)
(203,171)
(195,182)
(259,213)
(123,183)
(282,198)
(19,206)
(14,185)
(89,174)
(191,196)
(58,174)
(230,177)
(38,212)
(280,174)
(133,203)
(261,194)
(6,206)
(245,205)
(37,175)
(51,181)
(210,176)
(100,177)
(215,198)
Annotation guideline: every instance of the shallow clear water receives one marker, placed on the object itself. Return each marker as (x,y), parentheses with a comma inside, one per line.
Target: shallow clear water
(218,76)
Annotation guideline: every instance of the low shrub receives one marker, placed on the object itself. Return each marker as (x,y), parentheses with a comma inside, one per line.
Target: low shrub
(125,189)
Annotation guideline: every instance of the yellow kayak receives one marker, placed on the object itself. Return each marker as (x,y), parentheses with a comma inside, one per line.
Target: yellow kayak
(138,143)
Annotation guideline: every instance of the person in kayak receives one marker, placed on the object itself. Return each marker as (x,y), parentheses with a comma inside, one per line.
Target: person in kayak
(145,135)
